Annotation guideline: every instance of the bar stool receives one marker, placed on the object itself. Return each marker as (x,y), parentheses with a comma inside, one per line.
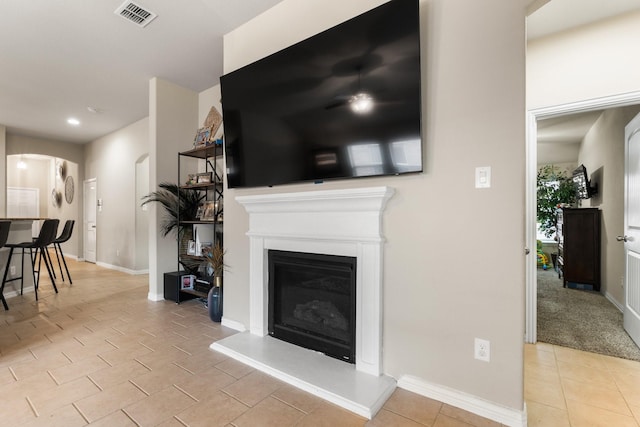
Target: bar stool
(45,238)
(4,235)
(63,237)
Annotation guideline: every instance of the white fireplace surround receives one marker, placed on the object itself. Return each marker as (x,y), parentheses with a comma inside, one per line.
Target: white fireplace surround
(344,222)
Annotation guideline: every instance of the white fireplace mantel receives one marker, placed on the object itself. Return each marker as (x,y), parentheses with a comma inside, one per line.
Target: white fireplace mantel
(344,222)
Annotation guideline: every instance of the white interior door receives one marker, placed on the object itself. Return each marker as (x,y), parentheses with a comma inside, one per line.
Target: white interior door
(631,237)
(90,219)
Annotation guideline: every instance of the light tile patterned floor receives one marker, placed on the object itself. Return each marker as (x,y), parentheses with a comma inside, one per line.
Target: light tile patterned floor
(100,353)
(566,387)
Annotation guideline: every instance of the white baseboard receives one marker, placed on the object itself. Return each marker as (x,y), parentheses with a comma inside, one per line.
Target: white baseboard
(121,269)
(613,301)
(155,297)
(233,324)
(16,292)
(507,416)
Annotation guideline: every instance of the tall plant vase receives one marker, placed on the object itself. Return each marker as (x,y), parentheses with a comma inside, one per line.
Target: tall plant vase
(214,301)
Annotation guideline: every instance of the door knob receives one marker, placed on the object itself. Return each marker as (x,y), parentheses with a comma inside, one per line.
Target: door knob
(622,238)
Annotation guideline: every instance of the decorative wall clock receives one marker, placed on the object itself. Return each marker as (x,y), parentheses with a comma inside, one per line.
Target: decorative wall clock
(68,189)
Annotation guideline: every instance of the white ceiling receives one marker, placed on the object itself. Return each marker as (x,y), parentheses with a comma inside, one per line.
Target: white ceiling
(560,15)
(59,57)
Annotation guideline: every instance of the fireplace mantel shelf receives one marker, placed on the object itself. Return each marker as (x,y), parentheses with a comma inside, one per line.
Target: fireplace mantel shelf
(346,222)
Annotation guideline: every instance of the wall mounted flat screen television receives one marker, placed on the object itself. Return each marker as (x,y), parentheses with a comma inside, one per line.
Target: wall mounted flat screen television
(342,104)
(584,190)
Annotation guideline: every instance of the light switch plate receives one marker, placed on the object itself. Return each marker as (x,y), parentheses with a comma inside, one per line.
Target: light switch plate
(483,177)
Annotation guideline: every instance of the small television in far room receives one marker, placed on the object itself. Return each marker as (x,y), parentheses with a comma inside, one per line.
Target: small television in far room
(342,104)
(584,190)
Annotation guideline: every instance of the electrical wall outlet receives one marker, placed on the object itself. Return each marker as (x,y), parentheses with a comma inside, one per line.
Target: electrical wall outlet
(12,270)
(482,350)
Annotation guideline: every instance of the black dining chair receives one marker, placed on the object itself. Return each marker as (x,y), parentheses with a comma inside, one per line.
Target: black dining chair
(4,235)
(45,238)
(63,237)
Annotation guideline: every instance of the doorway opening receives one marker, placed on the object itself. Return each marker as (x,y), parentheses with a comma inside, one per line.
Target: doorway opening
(534,117)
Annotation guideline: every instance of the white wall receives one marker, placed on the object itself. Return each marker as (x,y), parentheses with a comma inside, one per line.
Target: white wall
(173,113)
(602,153)
(142,214)
(112,161)
(40,173)
(73,154)
(442,284)
(588,62)
(3,177)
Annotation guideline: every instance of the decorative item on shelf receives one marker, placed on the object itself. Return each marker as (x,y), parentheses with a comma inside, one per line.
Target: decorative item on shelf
(69,188)
(200,212)
(206,249)
(187,282)
(202,285)
(178,204)
(191,248)
(220,140)
(204,178)
(192,179)
(213,121)
(218,208)
(209,211)
(202,137)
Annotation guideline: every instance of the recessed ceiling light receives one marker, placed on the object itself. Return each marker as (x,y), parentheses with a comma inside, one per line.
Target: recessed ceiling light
(73,122)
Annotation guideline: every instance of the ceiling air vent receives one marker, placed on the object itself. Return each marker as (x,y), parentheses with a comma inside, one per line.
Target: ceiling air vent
(135,13)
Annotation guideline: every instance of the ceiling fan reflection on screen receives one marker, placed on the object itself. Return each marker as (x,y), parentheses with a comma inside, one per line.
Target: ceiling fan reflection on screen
(360,102)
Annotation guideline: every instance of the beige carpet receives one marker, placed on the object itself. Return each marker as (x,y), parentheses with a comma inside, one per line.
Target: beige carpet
(584,320)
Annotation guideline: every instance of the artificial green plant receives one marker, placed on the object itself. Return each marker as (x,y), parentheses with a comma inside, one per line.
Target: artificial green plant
(556,189)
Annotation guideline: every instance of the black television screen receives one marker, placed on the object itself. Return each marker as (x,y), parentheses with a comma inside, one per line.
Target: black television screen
(584,190)
(344,103)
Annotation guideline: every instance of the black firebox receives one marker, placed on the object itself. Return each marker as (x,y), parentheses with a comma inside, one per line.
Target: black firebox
(312,301)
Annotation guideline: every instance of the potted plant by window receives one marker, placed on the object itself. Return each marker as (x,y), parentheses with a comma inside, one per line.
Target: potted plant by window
(556,189)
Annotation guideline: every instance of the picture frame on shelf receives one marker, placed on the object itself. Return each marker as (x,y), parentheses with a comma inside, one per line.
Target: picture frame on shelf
(204,178)
(218,209)
(209,211)
(187,281)
(199,212)
(202,137)
(206,249)
(191,247)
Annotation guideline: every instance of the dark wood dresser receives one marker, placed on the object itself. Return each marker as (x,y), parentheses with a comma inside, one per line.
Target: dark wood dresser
(579,246)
